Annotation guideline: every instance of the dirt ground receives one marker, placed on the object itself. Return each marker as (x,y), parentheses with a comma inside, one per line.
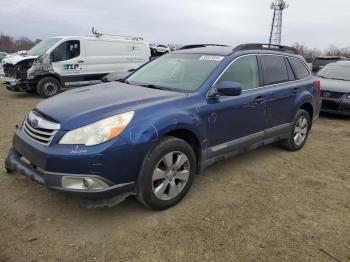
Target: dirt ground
(265,205)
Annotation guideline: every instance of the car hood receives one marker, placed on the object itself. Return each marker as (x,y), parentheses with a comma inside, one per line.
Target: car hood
(335,85)
(14,59)
(86,105)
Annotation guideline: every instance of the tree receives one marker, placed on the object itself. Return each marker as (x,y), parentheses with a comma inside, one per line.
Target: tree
(9,44)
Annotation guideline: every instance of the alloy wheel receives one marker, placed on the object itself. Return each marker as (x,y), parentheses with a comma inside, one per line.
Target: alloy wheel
(300,131)
(170,175)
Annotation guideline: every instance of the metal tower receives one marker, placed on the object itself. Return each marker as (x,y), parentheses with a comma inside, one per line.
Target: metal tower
(276,29)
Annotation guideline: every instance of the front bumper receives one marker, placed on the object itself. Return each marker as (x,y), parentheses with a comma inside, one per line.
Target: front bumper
(117,163)
(52,180)
(336,106)
(16,85)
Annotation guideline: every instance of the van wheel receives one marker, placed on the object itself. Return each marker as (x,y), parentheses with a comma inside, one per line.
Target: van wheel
(299,131)
(167,174)
(48,87)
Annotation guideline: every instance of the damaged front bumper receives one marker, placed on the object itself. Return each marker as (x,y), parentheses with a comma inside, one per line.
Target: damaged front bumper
(17,85)
(55,181)
(336,106)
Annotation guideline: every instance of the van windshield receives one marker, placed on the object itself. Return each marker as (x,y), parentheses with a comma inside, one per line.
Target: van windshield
(176,72)
(43,46)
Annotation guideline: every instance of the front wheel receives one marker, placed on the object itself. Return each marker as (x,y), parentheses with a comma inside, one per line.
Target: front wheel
(167,174)
(299,131)
(48,87)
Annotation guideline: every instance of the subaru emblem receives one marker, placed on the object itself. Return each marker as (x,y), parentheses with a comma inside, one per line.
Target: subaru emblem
(35,123)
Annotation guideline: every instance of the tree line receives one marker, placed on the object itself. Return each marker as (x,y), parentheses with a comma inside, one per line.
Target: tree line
(310,53)
(10,44)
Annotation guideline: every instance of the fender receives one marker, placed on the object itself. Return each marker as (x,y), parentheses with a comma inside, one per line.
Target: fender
(154,131)
(302,98)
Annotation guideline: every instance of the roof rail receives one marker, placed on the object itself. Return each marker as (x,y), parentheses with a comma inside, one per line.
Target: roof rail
(258,46)
(199,46)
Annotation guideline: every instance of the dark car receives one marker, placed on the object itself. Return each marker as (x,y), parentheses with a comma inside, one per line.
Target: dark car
(322,61)
(150,135)
(335,88)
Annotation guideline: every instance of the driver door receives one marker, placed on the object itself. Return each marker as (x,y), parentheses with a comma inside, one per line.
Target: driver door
(237,121)
(68,61)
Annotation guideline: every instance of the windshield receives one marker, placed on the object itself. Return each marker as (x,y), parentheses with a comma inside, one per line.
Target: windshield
(176,72)
(339,72)
(43,46)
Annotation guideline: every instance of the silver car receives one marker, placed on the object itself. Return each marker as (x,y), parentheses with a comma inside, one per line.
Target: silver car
(335,87)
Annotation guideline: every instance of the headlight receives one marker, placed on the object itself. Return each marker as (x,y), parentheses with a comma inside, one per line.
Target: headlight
(98,132)
(348,96)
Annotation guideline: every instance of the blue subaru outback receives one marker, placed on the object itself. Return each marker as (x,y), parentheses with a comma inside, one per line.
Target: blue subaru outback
(150,134)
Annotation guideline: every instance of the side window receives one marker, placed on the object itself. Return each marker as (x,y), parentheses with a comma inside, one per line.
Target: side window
(66,51)
(290,71)
(244,71)
(274,69)
(299,68)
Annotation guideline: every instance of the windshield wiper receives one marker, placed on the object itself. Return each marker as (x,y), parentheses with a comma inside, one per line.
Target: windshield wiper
(123,81)
(341,79)
(154,87)
(149,86)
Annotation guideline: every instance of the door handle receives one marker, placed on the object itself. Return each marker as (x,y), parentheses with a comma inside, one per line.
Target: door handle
(81,61)
(259,100)
(296,90)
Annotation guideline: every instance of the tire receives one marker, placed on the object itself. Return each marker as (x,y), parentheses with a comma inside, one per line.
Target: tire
(48,87)
(160,174)
(299,131)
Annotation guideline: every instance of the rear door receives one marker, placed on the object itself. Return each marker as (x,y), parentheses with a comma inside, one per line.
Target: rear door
(281,90)
(68,60)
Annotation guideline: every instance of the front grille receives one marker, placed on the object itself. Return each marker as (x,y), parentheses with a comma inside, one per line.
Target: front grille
(42,131)
(10,71)
(331,95)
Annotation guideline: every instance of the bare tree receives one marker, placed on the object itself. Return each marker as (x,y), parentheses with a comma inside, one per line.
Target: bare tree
(10,45)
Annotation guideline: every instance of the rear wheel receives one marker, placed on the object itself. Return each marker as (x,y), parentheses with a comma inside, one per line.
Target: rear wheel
(299,132)
(48,87)
(167,174)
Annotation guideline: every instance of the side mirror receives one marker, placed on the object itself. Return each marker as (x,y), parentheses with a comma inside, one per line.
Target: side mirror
(52,56)
(228,88)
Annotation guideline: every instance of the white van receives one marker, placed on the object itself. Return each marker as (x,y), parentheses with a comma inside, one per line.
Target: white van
(73,61)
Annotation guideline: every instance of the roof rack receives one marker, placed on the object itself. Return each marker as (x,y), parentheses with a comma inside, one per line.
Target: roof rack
(199,46)
(128,37)
(258,46)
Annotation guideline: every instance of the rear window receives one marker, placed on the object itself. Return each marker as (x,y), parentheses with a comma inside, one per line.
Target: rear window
(325,61)
(299,69)
(274,69)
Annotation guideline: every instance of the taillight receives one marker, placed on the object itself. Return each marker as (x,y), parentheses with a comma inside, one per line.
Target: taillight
(318,84)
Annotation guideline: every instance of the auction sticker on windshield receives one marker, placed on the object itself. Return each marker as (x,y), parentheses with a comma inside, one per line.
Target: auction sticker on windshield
(211,58)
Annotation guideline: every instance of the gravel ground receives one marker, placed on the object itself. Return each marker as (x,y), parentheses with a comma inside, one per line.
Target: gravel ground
(265,205)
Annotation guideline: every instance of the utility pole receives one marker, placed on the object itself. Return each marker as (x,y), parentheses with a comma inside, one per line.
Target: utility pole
(276,29)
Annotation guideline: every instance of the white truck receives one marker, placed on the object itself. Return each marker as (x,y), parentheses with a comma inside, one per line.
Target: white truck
(73,61)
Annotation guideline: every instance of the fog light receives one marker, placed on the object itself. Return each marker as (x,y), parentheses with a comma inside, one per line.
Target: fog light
(83,183)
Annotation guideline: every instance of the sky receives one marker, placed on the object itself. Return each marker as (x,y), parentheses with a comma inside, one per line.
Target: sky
(318,24)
